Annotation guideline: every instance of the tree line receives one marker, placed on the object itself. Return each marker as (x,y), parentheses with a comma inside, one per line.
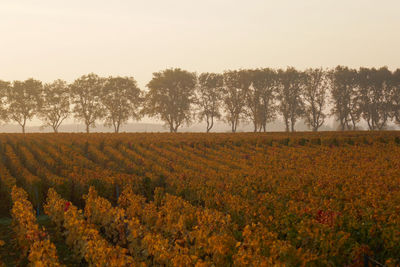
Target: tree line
(179,97)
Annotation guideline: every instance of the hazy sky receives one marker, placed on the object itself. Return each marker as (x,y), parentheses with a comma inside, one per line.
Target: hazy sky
(51,39)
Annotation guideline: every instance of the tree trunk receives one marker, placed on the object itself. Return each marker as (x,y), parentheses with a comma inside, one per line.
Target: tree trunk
(87,128)
(208,124)
(292,123)
(315,126)
(341,125)
(287,125)
(211,125)
(354,126)
(176,128)
(233,127)
(370,126)
(23,129)
(264,127)
(116,128)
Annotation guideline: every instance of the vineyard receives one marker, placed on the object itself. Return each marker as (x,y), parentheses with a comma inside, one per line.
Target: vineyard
(246,199)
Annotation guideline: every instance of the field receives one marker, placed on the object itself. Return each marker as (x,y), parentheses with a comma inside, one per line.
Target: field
(300,199)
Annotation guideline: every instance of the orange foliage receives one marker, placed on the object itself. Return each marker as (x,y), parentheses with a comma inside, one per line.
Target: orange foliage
(299,199)
(84,240)
(31,239)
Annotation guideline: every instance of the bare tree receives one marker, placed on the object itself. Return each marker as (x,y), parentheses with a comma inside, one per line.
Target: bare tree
(260,98)
(170,97)
(56,104)
(314,95)
(4,87)
(85,96)
(252,109)
(291,106)
(236,83)
(121,98)
(23,100)
(345,98)
(209,97)
(395,96)
(374,94)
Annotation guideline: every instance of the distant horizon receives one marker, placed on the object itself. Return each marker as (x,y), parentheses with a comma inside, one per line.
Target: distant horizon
(154,127)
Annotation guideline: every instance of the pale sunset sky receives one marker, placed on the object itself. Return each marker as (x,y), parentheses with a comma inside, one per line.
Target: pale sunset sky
(50,39)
